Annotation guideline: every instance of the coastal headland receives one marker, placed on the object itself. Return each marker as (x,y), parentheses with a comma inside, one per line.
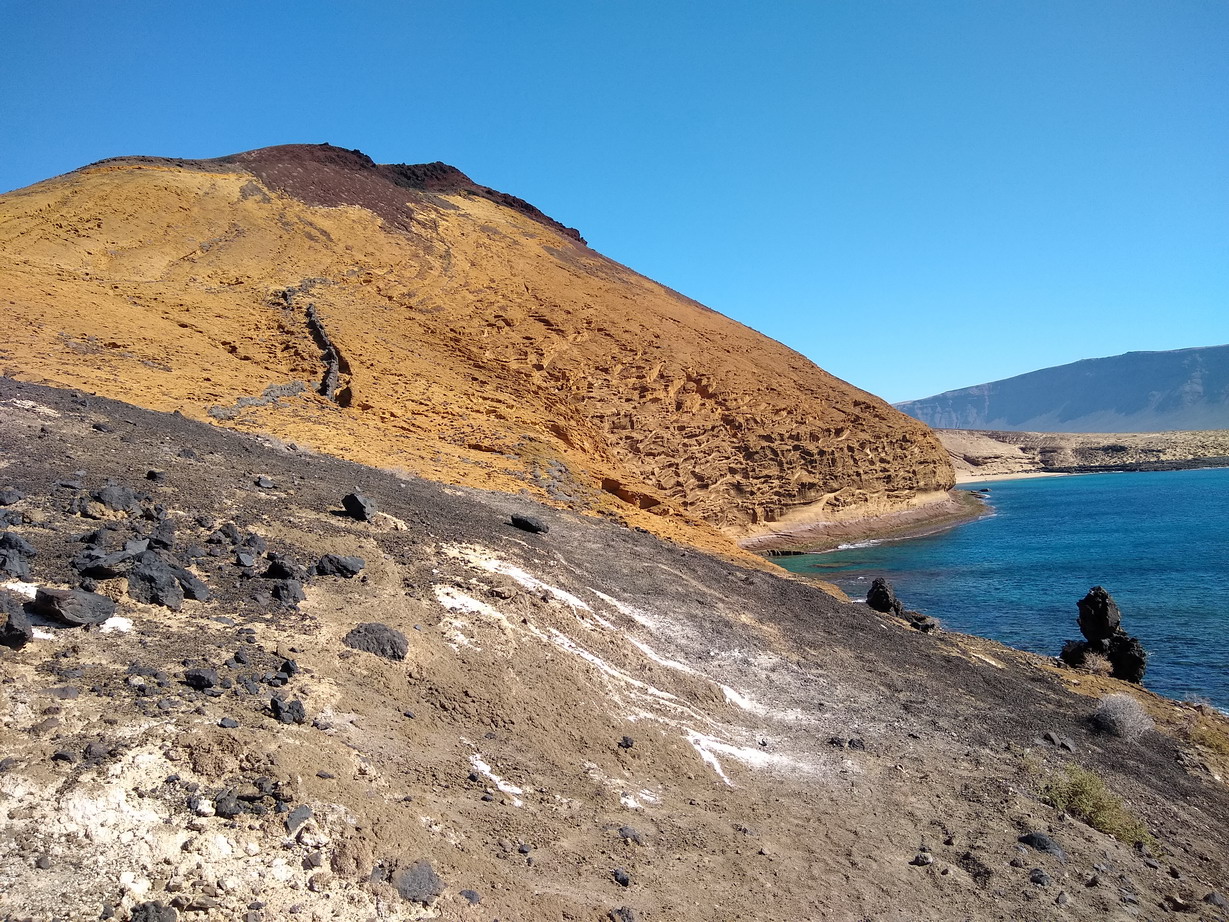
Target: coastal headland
(978,455)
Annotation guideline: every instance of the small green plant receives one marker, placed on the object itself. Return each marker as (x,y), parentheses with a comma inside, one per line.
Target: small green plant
(1084,795)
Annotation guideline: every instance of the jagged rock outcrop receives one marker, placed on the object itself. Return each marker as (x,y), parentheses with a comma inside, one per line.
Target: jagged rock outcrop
(408,317)
(1101,624)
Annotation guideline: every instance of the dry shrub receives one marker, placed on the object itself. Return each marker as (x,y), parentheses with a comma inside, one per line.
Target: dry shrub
(1098,664)
(1084,795)
(1121,715)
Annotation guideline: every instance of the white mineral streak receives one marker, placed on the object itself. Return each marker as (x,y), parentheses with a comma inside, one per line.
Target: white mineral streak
(483,560)
(480,765)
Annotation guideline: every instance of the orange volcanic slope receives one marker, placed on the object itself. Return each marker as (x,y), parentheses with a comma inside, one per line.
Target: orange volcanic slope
(406,317)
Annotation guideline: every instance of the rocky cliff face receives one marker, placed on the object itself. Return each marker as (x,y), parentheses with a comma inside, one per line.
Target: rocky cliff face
(980,455)
(1184,389)
(408,317)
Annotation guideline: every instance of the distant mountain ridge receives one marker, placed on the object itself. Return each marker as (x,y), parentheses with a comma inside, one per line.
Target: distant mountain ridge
(1182,389)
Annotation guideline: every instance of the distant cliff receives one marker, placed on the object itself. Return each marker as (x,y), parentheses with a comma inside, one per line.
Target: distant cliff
(1185,389)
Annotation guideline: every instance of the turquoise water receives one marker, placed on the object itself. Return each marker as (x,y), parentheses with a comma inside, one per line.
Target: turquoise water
(1158,542)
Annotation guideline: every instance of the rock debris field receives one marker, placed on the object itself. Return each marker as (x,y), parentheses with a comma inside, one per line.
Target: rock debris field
(242,681)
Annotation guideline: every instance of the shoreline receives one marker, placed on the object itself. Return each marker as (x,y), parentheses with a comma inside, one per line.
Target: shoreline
(957,508)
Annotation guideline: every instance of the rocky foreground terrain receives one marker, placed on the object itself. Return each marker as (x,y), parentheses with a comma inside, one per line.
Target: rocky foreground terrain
(287,704)
(407,317)
(978,455)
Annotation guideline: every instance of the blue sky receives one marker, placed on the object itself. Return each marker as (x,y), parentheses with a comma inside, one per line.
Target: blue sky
(918,196)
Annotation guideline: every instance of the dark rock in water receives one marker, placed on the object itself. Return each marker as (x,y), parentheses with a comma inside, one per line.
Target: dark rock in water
(288,712)
(1043,843)
(152,580)
(530,524)
(1075,653)
(288,591)
(74,606)
(14,565)
(1101,622)
(1128,657)
(880,597)
(17,630)
(379,639)
(359,506)
(16,543)
(1099,616)
(334,565)
(8,496)
(418,883)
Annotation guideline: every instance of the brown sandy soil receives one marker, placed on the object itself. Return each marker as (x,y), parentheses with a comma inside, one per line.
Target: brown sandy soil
(986,455)
(787,756)
(472,340)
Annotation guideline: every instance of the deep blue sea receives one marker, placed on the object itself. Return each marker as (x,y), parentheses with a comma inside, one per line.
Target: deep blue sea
(1158,542)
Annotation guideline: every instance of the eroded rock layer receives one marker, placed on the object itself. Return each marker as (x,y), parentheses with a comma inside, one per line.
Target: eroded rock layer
(407,317)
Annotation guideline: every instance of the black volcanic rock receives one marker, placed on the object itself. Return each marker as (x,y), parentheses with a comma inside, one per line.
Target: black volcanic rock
(881,597)
(1100,622)
(1099,617)
(152,580)
(74,606)
(345,567)
(359,506)
(379,639)
(16,631)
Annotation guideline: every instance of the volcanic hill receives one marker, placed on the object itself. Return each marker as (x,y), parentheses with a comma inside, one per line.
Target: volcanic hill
(409,318)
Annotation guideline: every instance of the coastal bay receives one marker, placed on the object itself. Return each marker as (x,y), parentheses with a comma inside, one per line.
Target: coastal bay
(1155,540)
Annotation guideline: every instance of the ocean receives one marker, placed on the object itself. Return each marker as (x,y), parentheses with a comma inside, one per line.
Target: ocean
(1158,542)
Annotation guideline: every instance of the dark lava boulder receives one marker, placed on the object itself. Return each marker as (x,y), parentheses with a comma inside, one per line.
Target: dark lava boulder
(17,630)
(1128,657)
(530,524)
(74,606)
(379,639)
(359,506)
(1099,617)
(1101,622)
(152,580)
(880,597)
(335,565)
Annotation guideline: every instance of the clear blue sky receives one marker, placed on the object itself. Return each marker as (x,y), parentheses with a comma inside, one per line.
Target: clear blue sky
(918,196)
